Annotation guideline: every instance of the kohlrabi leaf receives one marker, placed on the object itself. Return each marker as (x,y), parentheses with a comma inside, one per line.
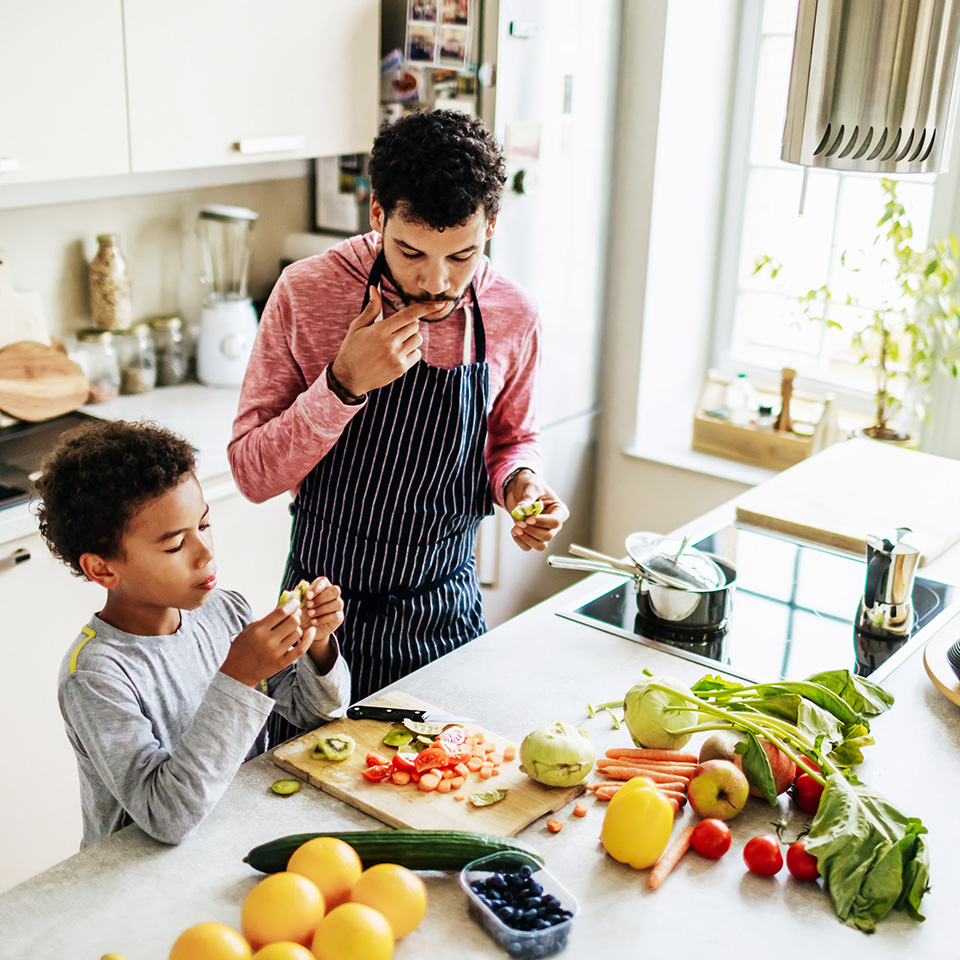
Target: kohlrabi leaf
(863,696)
(756,767)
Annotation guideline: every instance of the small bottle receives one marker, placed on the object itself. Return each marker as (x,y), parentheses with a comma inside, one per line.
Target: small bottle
(138,361)
(740,400)
(764,418)
(110,286)
(96,356)
(172,351)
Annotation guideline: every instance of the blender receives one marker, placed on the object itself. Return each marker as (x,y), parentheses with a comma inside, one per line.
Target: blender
(228,322)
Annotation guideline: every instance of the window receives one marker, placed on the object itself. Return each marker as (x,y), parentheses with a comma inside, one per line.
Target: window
(760,326)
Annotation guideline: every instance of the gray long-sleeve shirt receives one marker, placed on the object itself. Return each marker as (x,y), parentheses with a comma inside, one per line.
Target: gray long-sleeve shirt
(159,732)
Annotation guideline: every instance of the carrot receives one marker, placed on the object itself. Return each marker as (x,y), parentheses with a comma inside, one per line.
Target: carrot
(462,770)
(460,796)
(686,769)
(647,753)
(478,736)
(590,787)
(456,783)
(509,752)
(495,772)
(448,774)
(496,759)
(486,772)
(628,773)
(428,782)
(670,859)
(680,797)
(579,809)
(489,747)
(443,786)
(607,793)
(400,777)
(554,826)
(474,764)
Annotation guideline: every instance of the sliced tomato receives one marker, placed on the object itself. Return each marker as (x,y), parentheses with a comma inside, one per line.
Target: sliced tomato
(375,760)
(404,762)
(454,735)
(432,758)
(376,774)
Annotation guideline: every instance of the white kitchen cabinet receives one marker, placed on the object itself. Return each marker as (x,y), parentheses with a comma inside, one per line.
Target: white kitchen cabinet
(212,83)
(43,608)
(63,110)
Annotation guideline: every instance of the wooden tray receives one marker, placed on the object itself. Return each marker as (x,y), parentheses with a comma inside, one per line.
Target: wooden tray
(938,666)
(407,806)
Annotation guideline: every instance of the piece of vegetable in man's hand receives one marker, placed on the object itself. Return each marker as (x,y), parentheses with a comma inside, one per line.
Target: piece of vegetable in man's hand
(527,508)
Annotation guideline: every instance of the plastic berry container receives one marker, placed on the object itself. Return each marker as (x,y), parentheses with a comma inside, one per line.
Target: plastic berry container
(524,944)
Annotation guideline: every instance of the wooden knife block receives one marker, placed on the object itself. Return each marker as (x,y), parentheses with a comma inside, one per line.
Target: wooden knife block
(763,446)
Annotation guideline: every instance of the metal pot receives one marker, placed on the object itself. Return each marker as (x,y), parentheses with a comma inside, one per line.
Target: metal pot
(692,607)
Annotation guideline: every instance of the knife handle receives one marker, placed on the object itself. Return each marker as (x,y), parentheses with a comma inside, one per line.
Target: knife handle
(367,712)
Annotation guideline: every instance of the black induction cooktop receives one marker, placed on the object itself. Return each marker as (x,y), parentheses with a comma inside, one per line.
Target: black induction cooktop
(793,613)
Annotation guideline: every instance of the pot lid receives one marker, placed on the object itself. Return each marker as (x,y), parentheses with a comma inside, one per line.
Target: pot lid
(671,562)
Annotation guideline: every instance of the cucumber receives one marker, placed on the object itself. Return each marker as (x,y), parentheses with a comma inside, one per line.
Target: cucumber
(413,849)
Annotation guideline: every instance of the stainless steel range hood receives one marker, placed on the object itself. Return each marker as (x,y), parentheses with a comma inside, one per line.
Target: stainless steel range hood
(871,85)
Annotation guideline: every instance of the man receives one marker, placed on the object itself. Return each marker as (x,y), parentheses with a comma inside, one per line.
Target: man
(391,386)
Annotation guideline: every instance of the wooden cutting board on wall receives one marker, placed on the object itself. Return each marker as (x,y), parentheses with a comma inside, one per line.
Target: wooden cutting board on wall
(408,807)
(859,487)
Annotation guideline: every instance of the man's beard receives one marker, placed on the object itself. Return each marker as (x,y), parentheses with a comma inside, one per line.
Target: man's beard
(409,299)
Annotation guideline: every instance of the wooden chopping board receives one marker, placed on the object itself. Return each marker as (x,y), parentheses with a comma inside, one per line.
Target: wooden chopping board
(407,806)
(38,381)
(858,487)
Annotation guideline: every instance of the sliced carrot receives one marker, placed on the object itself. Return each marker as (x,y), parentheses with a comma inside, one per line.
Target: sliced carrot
(456,783)
(489,747)
(579,809)
(486,772)
(443,786)
(496,758)
(400,777)
(495,772)
(462,770)
(448,774)
(415,776)
(474,764)
(478,736)
(428,782)
(554,826)
(676,850)
(509,752)
(460,796)
(647,753)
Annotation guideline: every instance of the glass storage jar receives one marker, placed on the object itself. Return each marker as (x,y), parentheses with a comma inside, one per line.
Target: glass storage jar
(138,361)
(110,285)
(172,351)
(96,356)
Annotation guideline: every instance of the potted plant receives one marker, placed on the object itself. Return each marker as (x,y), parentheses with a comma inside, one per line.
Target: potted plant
(912,335)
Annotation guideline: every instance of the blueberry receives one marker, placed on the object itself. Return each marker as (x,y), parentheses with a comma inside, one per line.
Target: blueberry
(497,882)
(525,871)
(542,924)
(549,900)
(506,914)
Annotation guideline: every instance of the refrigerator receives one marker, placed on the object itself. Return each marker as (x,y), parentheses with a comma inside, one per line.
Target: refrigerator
(542,74)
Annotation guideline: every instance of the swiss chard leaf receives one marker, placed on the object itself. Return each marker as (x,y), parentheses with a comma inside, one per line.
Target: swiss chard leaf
(863,696)
(872,858)
(756,767)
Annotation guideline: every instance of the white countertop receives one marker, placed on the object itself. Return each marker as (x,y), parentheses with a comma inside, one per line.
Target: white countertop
(202,415)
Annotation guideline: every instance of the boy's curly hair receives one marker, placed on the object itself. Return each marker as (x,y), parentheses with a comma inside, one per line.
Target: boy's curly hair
(439,167)
(96,480)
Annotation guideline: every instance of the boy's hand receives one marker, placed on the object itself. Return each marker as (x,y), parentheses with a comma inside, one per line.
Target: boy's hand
(324,607)
(266,646)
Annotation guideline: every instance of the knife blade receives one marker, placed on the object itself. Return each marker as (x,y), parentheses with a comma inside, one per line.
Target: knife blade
(366,711)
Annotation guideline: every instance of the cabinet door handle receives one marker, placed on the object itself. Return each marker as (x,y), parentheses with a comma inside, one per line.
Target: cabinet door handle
(9,164)
(270,145)
(14,559)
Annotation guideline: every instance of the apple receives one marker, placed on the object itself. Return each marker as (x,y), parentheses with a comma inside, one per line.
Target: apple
(718,788)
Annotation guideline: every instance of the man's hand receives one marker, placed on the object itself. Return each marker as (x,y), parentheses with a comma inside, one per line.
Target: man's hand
(267,646)
(374,354)
(534,533)
(324,608)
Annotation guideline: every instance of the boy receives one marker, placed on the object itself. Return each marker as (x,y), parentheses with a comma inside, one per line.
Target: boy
(167,688)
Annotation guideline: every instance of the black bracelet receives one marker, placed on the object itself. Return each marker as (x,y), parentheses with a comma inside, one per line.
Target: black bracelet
(340,390)
(506,483)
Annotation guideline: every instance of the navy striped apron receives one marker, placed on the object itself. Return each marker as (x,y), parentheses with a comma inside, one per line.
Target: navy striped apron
(391,515)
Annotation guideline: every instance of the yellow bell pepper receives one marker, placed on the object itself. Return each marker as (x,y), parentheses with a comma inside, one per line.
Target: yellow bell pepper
(637,824)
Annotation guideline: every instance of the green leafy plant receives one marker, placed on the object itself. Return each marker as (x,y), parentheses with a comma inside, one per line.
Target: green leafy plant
(915,333)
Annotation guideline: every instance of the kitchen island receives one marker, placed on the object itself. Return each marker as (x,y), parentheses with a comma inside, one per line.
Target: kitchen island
(132,895)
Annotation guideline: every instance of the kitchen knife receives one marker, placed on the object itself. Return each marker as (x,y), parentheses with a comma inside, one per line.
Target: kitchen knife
(365,711)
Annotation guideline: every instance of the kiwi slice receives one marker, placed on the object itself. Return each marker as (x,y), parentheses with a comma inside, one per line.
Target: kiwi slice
(284,788)
(299,590)
(334,747)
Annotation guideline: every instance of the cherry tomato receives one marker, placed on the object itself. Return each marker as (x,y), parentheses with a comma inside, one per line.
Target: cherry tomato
(711,838)
(433,757)
(762,855)
(405,762)
(806,793)
(376,774)
(801,864)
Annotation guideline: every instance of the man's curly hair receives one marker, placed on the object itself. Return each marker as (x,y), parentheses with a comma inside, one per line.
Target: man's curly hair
(438,167)
(98,478)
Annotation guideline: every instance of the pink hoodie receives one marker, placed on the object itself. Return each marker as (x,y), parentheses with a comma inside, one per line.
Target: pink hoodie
(289,418)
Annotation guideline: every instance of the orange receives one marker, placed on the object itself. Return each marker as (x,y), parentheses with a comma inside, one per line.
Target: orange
(284,906)
(283,950)
(210,941)
(334,866)
(353,931)
(398,893)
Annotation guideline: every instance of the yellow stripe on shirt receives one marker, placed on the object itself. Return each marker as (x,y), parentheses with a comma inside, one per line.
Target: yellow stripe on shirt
(88,634)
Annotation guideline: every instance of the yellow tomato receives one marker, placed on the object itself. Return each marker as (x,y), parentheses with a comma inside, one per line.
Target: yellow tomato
(334,866)
(210,941)
(284,906)
(353,931)
(637,824)
(283,950)
(398,893)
